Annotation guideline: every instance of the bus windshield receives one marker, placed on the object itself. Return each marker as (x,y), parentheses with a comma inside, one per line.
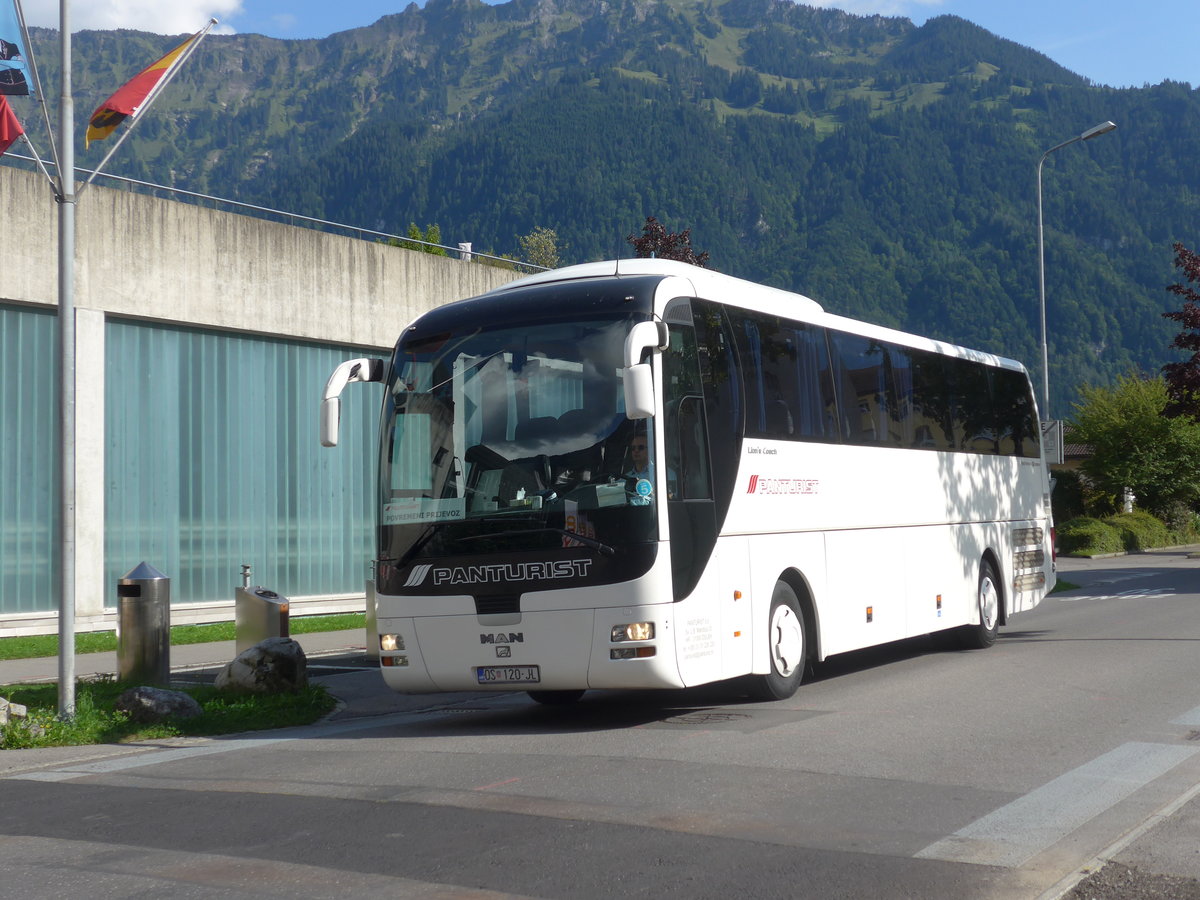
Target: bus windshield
(514,438)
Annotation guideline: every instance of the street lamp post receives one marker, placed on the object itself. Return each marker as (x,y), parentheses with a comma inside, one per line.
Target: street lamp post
(1095,131)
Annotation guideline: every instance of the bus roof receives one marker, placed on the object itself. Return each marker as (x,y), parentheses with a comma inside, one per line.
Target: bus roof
(707,282)
(750,295)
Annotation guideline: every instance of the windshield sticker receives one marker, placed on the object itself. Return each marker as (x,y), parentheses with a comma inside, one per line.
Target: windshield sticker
(643,487)
(423,509)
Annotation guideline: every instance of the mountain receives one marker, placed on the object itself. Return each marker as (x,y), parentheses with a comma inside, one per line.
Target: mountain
(886,170)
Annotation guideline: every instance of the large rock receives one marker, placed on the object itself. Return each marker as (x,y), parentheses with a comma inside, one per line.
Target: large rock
(148,705)
(9,710)
(274,666)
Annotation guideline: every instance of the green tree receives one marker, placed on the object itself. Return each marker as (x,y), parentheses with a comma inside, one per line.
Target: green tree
(428,240)
(1135,446)
(540,248)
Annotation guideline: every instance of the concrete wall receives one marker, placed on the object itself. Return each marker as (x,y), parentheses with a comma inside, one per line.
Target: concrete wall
(160,260)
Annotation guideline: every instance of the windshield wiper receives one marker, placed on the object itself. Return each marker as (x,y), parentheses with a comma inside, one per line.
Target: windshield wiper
(583,539)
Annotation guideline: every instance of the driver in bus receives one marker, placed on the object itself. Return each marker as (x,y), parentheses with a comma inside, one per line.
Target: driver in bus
(640,476)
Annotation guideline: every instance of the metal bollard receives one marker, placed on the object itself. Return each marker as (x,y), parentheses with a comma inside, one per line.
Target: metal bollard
(259,614)
(372,622)
(144,626)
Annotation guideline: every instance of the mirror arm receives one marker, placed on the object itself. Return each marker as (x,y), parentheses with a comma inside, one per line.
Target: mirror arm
(364,369)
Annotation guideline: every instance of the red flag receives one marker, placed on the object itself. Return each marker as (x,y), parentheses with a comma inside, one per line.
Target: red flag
(10,128)
(129,97)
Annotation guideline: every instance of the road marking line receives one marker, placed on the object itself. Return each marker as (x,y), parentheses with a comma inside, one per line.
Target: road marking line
(218,745)
(1104,856)
(1015,833)
(1191,717)
(488,787)
(1143,594)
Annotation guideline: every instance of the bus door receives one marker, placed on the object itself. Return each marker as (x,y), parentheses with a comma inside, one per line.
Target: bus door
(715,631)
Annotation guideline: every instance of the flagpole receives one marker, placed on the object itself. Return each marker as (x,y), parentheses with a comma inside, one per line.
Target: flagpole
(151,97)
(38,92)
(41,165)
(66,390)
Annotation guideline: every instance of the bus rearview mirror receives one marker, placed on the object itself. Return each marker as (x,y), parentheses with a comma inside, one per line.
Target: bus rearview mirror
(639,391)
(331,414)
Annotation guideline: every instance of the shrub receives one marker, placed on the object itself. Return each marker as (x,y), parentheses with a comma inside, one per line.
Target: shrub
(1068,497)
(1088,537)
(1140,531)
(1181,520)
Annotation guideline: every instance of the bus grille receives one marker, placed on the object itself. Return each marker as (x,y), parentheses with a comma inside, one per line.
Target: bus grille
(1023,537)
(1029,559)
(504,603)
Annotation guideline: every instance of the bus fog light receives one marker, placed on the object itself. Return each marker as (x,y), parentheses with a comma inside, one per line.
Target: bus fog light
(390,643)
(634,631)
(622,653)
(388,661)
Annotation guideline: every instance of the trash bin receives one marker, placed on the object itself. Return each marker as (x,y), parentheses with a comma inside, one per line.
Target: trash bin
(144,626)
(259,614)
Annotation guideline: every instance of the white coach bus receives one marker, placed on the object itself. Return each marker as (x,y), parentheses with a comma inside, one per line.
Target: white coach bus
(643,474)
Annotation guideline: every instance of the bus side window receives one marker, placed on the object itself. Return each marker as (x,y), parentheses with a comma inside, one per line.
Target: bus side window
(686,430)
(722,389)
(900,406)
(1020,433)
(864,396)
(974,419)
(687,454)
(932,415)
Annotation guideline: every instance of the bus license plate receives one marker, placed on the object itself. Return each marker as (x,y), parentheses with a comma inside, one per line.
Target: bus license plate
(508,674)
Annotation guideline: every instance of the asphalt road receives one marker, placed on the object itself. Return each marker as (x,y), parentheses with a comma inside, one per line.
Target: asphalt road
(906,771)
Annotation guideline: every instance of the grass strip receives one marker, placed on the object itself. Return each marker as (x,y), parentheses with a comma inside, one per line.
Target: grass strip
(28,646)
(97,721)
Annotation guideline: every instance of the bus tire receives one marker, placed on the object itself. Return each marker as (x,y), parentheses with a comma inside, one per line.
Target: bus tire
(787,642)
(555,698)
(987,599)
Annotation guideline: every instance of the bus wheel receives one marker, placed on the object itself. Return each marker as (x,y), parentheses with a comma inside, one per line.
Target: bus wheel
(556,698)
(787,644)
(983,635)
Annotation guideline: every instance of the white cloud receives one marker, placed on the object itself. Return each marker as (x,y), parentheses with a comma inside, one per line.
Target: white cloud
(285,22)
(875,7)
(170,17)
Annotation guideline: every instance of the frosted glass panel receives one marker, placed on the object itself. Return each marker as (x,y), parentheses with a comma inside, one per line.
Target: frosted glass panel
(212,461)
(28,460)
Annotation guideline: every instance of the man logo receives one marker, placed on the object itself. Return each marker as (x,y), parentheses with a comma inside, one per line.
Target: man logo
(513,637)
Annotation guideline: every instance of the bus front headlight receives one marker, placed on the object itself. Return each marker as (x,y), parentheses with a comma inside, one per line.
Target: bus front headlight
(390,643)
(634,631)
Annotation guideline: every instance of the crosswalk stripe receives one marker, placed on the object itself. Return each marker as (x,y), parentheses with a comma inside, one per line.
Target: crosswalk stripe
(1030,824)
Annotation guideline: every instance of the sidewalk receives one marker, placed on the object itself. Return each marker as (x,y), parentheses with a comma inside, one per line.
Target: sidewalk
(185,657)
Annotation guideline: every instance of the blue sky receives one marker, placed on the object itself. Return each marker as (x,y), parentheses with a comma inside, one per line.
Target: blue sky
(1112,42)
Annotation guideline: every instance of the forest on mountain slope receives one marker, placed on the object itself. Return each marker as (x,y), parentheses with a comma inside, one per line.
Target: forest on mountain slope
(886,170)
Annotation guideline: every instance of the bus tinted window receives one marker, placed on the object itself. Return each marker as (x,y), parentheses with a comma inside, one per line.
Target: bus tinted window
(861,370)
(789,390)
(719,376)
(932,421)
(974,418)
(809,384)
(900,406)
(1019,429)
